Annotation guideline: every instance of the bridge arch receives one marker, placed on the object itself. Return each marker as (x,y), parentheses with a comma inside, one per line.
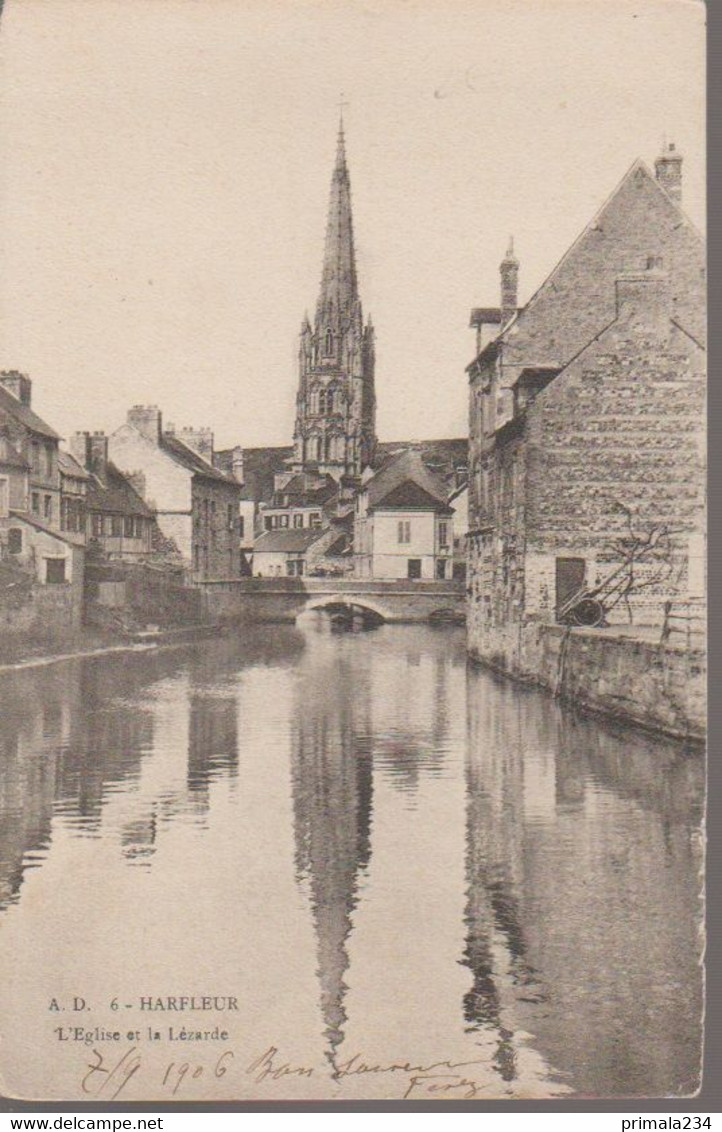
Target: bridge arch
(340,601)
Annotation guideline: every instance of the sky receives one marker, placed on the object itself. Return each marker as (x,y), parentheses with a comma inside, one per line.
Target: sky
(166,168)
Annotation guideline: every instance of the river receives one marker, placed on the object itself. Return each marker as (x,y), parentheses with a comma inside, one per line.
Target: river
(412,879)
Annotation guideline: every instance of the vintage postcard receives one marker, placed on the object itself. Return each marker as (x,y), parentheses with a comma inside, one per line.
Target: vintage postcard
(352,549)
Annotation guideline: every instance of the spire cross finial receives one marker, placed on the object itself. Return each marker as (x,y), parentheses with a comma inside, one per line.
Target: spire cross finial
(341,105)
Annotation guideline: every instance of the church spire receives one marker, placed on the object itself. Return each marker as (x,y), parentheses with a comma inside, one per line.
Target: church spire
(339,285)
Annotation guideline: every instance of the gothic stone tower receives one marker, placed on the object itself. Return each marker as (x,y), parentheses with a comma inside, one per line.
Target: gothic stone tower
(335,429)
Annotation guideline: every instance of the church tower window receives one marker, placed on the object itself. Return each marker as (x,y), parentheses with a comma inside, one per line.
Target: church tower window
(329,343)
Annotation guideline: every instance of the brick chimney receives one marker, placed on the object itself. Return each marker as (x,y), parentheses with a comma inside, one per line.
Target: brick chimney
(509,272)
(91,450)
(200,440)
(668,171)
(19,384)
(644,298)
(147,419)
(237,464)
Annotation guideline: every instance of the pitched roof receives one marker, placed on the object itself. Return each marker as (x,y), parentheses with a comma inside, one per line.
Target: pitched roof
(115,494)
(410,496)
(638,219)
(404,468)
(260,466)
(25,415)
(189,459)
(287,540)
(442,457)
(40,525)
(70,467)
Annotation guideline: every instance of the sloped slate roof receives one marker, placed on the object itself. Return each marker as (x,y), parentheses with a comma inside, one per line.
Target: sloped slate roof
(69,466)
(287,540)
(115,494)
(260,465)
(410,496)
(189,459)
(25,415)
(406,467)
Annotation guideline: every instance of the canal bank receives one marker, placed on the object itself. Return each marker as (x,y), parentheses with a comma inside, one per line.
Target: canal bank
(617,672)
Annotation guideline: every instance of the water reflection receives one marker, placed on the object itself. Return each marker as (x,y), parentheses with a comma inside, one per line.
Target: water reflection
(583,892)
(519,883)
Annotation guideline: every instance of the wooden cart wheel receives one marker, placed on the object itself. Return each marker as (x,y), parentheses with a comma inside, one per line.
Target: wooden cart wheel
(588,612)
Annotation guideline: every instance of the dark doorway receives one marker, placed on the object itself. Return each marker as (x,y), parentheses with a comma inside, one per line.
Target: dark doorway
(569,579)
(414,568)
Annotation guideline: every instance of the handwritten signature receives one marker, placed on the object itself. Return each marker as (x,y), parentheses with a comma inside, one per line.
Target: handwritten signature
(440,1078)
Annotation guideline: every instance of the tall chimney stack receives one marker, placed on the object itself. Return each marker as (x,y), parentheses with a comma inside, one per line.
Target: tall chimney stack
(509,272)
(18,384)
(668,170)
(147,420)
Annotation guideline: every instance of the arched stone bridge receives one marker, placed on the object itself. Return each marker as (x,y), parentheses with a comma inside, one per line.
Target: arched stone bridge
(283,599)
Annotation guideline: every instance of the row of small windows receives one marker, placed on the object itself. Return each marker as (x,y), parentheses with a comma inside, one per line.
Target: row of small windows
(279,522)
(116,526)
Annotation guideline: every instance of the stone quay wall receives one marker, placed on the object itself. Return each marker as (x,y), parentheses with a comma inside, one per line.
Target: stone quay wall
(655,685)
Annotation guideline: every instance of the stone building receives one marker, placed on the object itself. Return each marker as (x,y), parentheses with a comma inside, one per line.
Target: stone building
(35,441)
(293,553)
(404,524)
(586,415)
(118,522)
(196,505)
(335,429)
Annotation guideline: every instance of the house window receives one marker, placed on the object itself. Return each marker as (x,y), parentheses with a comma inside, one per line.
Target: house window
(36,503)
(15,541)
(4,497)
(404,531)
(230,517)
(441,568)
(298,520)
(54,571)
(315,520)
(294,567)
(268,522)
(443,533)
(197,557)
(35,457)
(414,568)
(97,526)
(283,520)
(129,526)
(116,526)
(48,507)
(48,461)
(241,525)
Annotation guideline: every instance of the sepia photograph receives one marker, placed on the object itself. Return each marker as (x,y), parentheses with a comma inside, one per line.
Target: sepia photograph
(353,653)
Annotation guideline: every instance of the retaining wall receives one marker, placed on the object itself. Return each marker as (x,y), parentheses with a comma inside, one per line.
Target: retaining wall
(661,687)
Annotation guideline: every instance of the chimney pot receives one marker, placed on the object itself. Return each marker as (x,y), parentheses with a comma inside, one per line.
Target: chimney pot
(668,171)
